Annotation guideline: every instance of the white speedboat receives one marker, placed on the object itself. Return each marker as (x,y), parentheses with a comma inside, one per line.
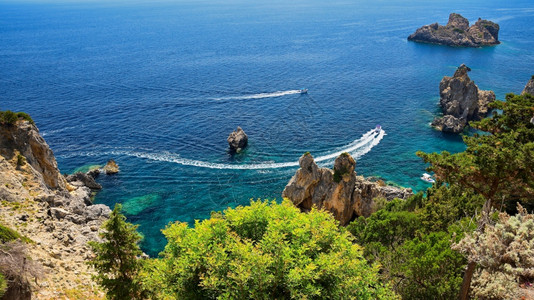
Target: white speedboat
(378,128)
(303,91)
(428,178)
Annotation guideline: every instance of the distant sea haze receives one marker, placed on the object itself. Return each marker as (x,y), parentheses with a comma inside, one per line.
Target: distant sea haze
(159,86)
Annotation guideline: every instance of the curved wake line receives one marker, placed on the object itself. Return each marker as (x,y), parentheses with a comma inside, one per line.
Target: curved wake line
(259,96)
(357,149)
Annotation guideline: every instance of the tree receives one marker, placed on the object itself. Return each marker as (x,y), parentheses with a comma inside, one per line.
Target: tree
(498,165)
(264,251)
(117,258)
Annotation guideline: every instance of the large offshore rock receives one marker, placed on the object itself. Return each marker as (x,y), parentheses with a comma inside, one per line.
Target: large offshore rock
(458,33)
(338,191)
(461,101)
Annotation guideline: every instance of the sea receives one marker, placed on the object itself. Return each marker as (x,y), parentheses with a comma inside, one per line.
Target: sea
(159,85)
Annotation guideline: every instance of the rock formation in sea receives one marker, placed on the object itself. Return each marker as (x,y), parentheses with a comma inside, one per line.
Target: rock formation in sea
(237,140)
(111,167)
(461,101)
(339,191)
(458,33)
(57,215)
(529,88)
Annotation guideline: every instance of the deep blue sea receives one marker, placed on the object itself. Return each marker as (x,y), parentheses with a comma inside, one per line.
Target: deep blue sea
(158,86)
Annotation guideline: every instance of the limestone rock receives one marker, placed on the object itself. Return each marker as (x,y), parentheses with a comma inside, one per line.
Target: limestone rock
(237,140)
(87,180)
(458,33)
(529,88)
(339,190)
(25,139)
(461,101)
(111,167)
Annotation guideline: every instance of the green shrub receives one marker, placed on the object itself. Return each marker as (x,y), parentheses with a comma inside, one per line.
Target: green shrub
(25,116)
(458,30)
(3,285)
(21,160)
(264,251)
(7,235)
(9,117)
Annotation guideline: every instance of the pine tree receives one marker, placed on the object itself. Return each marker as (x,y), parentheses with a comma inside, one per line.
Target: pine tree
(116,259)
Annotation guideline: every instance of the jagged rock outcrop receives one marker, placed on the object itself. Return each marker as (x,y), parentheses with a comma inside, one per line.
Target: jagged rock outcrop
(529,88)
(83,179)
(111,167)
(57,215)
(458,33)
(461,101)
(237,140)
(24,139)
(339,190)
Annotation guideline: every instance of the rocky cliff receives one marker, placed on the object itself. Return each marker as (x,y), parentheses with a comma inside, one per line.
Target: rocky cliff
(339,191)
(461,101)
(458,33)
(529,88)
(37,201)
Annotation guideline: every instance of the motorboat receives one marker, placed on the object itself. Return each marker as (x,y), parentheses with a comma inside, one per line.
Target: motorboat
(428,178)
(303,91)
(378,128)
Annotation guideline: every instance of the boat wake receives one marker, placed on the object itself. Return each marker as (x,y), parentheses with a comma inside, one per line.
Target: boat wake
(260,96)
(357,149)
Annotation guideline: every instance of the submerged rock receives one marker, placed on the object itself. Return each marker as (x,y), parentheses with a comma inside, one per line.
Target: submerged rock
(111,167)
(461,101)
(237,140)
(458,33)
(339,190)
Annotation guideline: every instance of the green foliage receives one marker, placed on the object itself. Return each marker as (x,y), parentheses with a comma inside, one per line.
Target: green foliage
(7,235)
(459,30)
(427,268)
(9,118)
(263,251)
(21,160)
(444,206)
(3,285)
(116,259)
(499,166)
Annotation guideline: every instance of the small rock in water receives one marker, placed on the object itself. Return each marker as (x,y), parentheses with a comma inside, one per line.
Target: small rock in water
(237,140)
(111,167)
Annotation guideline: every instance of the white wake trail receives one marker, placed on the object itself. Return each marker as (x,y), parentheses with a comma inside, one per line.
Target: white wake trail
(260,96)
(357,149)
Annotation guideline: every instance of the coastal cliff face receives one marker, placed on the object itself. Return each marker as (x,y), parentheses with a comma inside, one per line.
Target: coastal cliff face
(529,88)
(339,191)
(59,217)
(458,33)
(461,101)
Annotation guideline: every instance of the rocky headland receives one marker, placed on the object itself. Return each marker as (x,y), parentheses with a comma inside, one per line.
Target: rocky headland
(56,213)
(461,101)
(458,33)
(237,140)
(339,191)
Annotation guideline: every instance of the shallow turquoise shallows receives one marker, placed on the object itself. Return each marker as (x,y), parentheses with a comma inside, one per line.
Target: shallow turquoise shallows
(158,87)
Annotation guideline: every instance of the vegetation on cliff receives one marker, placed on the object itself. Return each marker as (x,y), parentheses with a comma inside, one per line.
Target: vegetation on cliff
(10,118)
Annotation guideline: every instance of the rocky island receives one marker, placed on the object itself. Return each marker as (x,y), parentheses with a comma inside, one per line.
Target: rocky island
(458,33)
(339,191)
(237,140)
(461,101)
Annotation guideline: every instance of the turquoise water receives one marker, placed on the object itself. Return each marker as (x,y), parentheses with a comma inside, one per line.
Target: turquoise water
(159,86)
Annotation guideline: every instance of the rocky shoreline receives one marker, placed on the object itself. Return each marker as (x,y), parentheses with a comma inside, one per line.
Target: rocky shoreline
(458,33)
(58,215)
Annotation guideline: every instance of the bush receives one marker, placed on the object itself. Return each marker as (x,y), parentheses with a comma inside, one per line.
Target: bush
(504,253)
(21,160)
(264,251)
(10,118)
(7,235)
(18,268)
